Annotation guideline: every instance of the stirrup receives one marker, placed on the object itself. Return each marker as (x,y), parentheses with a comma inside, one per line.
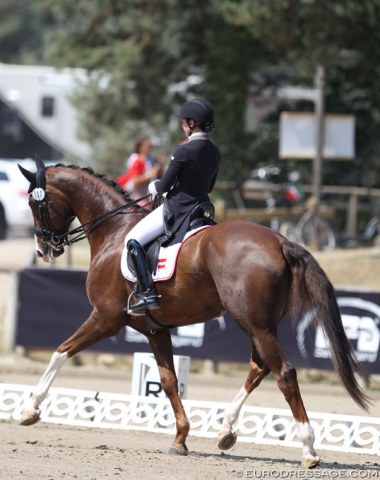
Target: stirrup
(127,308)
(146,303)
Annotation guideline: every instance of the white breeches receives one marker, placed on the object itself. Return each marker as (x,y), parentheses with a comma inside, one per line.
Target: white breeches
(149,228)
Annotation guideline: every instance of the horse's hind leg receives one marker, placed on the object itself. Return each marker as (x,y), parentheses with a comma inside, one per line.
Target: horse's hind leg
(270,351)
(227,436)
(163,351)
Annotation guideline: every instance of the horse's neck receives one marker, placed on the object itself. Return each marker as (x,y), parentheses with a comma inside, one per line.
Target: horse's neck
(91,199)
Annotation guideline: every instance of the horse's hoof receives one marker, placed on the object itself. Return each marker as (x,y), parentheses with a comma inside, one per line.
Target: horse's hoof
(227,440)
(310,462)
(181,450)
(30,417)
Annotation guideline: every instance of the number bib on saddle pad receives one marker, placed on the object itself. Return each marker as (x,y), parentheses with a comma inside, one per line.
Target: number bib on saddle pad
(166,262)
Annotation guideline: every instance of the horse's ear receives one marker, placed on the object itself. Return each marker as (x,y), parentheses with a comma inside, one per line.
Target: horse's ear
(30,176)
(40,174)
(39,163)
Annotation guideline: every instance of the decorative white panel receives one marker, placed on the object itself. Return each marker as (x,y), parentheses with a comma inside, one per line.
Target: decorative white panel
(127,412)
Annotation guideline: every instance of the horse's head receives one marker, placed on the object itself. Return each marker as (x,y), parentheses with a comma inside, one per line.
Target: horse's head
(51,213)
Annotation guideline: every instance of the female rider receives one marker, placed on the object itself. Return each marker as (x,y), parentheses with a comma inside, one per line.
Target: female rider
(189,179)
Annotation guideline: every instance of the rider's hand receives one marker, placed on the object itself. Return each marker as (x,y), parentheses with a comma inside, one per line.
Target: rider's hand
(152,189)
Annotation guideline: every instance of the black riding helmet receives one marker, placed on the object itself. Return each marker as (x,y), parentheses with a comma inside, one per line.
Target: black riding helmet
(199,110)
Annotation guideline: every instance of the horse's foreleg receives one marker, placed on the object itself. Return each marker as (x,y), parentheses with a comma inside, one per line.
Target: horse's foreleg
(271,353)
(31,412)
(91,332)
(227,436)
(163,351)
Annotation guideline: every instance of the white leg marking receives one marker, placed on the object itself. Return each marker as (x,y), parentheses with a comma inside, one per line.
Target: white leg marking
(42,388)
(306,435)
(232,412)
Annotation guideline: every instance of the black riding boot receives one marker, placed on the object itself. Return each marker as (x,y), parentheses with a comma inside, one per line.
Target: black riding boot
(146,293)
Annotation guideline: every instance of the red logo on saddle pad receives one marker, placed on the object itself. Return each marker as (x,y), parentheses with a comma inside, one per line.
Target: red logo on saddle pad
(161,263)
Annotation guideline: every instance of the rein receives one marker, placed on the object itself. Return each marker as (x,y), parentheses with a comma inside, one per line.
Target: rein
(58,241)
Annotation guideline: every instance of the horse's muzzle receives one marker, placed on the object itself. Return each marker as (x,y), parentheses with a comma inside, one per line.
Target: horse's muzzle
(46,252)
(42,251)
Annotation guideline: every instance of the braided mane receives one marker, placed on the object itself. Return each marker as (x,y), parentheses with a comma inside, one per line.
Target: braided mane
(102,177)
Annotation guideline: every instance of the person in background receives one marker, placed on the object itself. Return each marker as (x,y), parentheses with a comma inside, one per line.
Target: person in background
(142,168)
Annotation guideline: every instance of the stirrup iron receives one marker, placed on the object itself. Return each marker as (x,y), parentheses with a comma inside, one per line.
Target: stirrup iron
(128,310)
(140,312)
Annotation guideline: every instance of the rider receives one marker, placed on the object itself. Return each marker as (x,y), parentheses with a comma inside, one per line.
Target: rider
(189,179)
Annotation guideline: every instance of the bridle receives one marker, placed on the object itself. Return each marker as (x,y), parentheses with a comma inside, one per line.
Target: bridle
(52,239)
(57,241)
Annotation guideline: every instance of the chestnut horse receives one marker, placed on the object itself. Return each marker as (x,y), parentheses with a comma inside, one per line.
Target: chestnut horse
(245,269)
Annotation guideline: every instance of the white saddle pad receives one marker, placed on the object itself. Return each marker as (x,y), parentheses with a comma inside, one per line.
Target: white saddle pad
(167,259)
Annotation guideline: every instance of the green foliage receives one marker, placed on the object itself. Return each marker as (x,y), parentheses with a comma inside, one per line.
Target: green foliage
(343,36)
(21,38)
(136,50)
(228,93)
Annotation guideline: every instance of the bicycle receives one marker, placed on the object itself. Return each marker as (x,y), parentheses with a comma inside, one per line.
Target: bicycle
(276,195)
(372,231)
(310,230)
(370,236)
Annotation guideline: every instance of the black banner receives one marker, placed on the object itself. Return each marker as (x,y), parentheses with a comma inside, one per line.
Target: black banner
(53,304)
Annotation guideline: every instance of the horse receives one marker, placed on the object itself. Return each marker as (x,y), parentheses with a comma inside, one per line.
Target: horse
(245,269)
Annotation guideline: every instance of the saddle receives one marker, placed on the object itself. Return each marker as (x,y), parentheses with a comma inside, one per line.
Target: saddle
(201,216)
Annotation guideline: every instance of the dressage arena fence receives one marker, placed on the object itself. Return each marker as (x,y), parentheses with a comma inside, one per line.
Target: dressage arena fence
(259,425)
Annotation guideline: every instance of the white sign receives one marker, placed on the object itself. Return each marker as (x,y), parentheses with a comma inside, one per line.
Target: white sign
(146,378)
(298,136)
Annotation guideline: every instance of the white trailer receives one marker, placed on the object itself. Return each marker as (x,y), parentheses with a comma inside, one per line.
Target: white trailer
(41,97)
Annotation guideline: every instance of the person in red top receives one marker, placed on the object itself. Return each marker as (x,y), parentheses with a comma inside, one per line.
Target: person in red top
(142,168)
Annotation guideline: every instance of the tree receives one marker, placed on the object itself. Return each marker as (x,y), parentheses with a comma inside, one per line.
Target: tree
(340,35)
(134,50)
(21,38)
(138,50)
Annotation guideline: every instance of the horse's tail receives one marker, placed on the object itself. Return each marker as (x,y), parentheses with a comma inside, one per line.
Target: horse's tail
(312,291)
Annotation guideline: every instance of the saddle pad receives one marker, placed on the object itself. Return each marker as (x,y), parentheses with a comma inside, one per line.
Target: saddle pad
(167,259)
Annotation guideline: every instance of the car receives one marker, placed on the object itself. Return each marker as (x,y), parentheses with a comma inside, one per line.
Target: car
(15,214)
